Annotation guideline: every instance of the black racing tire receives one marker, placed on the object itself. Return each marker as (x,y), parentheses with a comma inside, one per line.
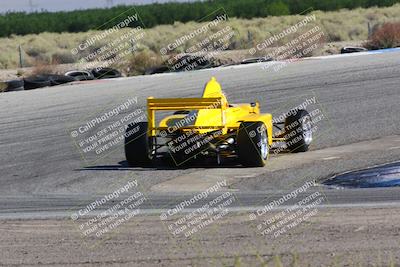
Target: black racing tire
(298,131)
(252,144)
(36,82)
(80,75)
(156,70)
(105,73)
(58,79)
(15,85)
(84,78)
(347,50)
(138,145)
(256,60)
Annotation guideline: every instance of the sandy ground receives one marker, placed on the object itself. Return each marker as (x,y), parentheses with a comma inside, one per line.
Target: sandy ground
(332,237)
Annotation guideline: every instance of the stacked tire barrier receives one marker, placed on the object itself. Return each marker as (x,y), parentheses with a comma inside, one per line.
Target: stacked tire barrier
(80,75)
(14,85)
(46,80)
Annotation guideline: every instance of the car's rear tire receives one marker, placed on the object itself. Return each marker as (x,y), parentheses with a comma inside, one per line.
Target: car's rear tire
(139,150)
(252,144)
(298,131)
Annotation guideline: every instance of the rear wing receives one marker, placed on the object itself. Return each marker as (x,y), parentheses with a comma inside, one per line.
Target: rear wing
(210,109)
(184,103)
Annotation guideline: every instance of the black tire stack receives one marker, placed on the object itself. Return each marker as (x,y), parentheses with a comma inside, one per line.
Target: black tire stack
(80,75)
(106,73)
(45,80)
(14,85)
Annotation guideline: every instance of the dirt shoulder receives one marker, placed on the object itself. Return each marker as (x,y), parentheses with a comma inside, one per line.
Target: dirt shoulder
(332,237)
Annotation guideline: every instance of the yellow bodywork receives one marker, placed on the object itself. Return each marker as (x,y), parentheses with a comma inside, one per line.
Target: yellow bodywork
(210,113)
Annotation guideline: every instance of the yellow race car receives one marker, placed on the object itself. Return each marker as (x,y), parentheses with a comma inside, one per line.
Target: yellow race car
(212,127)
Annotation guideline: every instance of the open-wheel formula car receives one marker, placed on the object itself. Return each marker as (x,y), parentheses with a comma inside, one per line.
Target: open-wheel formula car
(212,127)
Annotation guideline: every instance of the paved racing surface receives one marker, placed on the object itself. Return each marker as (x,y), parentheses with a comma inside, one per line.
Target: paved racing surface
(358,96)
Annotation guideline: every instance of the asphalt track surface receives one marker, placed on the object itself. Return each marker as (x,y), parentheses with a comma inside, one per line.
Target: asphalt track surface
(42,170)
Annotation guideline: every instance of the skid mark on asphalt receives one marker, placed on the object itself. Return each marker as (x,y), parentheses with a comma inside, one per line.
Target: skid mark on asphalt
(202,179)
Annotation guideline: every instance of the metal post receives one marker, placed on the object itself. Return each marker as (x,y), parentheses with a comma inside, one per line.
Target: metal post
(369,30)
(21,59)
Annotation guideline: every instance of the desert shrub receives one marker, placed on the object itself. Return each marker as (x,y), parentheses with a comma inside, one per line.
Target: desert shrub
(63,57)
(20,73)
(35,51)
(41,67)
(6,61)
(141,61)
(386,36)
